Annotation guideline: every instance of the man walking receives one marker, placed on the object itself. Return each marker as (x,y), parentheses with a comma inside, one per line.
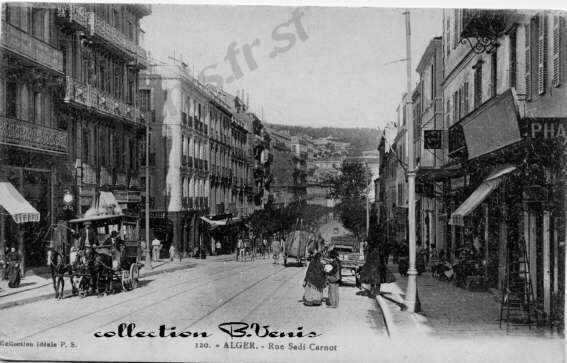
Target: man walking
(156,245)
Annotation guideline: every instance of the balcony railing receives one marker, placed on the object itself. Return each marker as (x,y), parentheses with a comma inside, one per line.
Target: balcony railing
(25,45)
(90,96)
(26,134)
(74,14)
(102,29)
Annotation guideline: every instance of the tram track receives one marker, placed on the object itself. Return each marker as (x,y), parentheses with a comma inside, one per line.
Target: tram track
(234,296)
(271,295)
(137,297)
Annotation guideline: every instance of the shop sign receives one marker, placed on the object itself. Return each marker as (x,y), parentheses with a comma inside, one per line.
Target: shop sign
(433,139)
(126,196)
(545,129)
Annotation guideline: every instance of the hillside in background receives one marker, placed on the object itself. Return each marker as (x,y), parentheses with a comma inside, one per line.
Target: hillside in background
(360,139)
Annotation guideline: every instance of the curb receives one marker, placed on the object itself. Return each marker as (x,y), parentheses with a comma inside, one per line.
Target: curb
(387,315)
(52,294)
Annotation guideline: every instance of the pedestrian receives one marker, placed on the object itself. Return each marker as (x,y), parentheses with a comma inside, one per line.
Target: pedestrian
(333,270)
(239,247)
(314,283)
(433,257)
(276,249)
(371,272)
(420,259)
(171,253)
(156,245)
(266,247)
(218,247)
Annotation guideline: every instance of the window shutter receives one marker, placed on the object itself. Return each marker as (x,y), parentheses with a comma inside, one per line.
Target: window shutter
(528,75)
(455,29)
(556,51)
(466,98)
(455,108)
(448,114)
(461,103)
(542,52)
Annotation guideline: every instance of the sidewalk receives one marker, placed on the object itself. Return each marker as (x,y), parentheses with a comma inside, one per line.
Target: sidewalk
(447,311)
(37,284)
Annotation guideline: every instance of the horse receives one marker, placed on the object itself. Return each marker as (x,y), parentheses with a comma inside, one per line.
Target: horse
(58,269)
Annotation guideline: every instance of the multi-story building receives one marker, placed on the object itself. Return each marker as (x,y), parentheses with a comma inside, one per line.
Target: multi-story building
(282,186)
(179,155)
(102,60)
(427,115)
(85,141)
(504,95)
(393,170)
(262,158)
(220,141)
(241,202)
(300,158)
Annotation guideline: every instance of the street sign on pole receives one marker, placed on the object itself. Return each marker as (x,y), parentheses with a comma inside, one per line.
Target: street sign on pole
(433,139)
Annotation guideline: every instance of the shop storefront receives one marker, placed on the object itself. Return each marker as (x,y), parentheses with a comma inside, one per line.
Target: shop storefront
(508,197)
(38,185)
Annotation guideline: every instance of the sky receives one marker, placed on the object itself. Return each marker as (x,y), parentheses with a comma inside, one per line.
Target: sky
(309,66)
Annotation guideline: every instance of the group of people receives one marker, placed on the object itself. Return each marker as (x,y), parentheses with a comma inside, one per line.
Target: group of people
(323,272)
(275,246)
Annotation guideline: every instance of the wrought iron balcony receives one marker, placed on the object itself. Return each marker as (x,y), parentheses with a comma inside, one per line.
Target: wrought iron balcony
(102,29)
(90,96)
(29,135)
(482,27)
(31,48)
(74,14)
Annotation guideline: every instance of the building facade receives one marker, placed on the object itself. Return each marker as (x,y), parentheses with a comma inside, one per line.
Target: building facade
(505,110)
(179,156)
(69,110)
(282,186)
(427,115)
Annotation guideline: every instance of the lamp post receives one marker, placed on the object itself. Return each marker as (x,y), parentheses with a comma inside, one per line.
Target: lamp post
(148,257)
(411,292)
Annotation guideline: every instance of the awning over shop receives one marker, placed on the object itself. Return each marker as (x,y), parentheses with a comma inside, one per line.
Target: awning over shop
(479,195)
(214,223)
(492,126)
(16,205)
(106,207)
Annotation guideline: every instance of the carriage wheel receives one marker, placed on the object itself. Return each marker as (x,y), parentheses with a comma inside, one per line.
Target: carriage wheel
(134,275)
(125,280)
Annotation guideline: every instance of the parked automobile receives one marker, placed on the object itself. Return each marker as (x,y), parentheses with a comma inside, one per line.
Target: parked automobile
(350,256)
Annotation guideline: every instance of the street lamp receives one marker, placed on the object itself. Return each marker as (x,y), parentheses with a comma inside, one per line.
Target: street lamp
(68,199)
(411,292)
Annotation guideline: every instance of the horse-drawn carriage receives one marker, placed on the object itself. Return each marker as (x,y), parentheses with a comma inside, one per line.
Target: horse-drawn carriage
(106,256)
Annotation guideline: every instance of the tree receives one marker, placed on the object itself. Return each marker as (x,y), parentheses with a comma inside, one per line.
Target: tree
(352,212)
(350,187)
(272,220)
(353,179)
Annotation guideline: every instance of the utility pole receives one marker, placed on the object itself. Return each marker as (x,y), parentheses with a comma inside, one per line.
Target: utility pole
(411,292)
(148,263)
(367,215)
